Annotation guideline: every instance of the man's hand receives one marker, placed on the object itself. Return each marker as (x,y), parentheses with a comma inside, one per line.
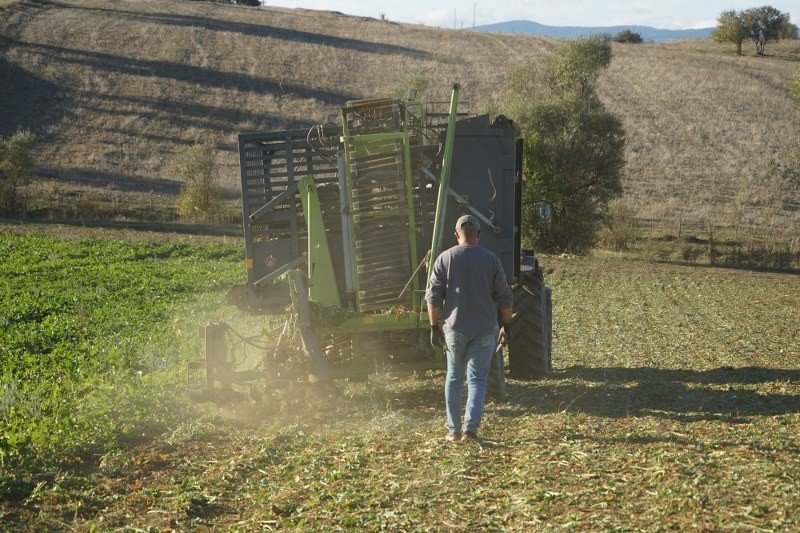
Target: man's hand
(505,334)
(437,337)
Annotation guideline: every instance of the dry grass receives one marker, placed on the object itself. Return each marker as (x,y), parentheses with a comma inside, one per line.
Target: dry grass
(703,126)
(119,97)
(118,89)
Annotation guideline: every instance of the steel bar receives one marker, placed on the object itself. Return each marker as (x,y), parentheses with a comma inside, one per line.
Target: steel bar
(344,208)
(463,201)
(262,211)
(441,200)
(269,278)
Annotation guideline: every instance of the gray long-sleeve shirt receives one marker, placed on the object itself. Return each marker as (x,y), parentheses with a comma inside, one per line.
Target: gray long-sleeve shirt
(468,283)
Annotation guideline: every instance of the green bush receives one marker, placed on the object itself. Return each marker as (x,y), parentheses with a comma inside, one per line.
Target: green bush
(628,36)
(620,229)
(416,81)
(200,199)
(17,162)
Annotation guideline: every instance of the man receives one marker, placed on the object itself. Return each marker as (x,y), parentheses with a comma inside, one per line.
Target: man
(467,290)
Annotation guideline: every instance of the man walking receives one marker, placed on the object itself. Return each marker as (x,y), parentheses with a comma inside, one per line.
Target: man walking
(467,290)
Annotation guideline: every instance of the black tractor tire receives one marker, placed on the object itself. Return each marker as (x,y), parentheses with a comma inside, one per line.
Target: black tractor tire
(530,346)
(496,385)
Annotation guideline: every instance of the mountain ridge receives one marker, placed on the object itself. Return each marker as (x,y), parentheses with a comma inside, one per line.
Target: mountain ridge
(648,33)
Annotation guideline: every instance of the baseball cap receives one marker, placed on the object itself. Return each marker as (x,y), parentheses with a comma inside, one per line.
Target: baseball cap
(468,220)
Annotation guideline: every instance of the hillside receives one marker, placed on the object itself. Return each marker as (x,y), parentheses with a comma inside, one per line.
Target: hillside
(118,89)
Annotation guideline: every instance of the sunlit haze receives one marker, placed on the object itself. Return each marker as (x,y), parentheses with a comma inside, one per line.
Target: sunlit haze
(679,14)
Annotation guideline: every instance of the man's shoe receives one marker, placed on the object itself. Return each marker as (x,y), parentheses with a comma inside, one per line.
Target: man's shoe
(454,437)
(469,436)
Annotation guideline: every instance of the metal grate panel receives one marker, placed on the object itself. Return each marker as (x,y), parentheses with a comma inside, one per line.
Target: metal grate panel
(274,226)
(376,152)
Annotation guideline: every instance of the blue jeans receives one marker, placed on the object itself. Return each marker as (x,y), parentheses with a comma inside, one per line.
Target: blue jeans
(473,355)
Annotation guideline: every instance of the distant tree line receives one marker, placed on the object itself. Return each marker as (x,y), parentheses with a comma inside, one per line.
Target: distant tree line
(252,3)
(759,24)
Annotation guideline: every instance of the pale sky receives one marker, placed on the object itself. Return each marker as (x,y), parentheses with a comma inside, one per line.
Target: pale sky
(667,14)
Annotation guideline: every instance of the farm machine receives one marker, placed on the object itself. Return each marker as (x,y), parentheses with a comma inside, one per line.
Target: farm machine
(340,225)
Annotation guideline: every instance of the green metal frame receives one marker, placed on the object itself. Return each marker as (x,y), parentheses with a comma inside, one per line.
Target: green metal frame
(380,322)
(321,287)
(321,277)
(444,179)
(415,113)
(361,145)
(417,317)
(322,281)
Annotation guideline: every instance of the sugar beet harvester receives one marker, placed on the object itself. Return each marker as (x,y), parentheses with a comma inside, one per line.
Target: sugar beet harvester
(340,223)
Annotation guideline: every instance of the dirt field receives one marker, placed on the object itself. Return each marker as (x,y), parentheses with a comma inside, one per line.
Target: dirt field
(675,403)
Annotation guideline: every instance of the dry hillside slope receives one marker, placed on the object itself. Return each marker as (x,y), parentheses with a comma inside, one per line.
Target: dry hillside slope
(118,88)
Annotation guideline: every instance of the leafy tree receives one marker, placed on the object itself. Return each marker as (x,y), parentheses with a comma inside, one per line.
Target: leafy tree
(200,199)
(731,27)
(765,24)
(759,24)
(574,148)
(17,162)
(628,36)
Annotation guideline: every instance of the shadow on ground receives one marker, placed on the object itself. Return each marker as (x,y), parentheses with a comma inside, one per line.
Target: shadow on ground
(28,101)
(614,392)
(181,72)
(686,395)
(256,30)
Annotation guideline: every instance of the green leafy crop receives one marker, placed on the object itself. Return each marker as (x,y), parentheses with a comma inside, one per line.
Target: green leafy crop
(93,337)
